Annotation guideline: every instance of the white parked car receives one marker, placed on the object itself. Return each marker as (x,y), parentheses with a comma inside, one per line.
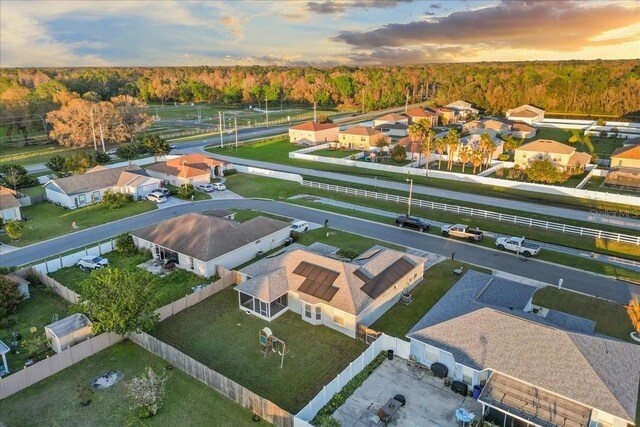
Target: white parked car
(156,197)
(162,190)
(112,152)
(207,188)
(219,186)
(92,262)
(300,226)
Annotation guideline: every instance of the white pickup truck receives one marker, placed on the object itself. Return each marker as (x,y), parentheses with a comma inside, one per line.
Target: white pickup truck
(462,231)
(518,245)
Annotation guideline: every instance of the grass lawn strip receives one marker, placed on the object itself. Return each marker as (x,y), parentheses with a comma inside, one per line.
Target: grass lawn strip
(220,335)
(37,311)
(47,220)
(171,287)
(188,402)
(277,151)
(611,318)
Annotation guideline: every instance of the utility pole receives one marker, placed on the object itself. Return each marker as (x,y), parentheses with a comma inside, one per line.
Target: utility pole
(220,127)
(266,109)
(93,132)
(362,100)
(280,103)
(410,194)
(315,116)
(224,124)
(235,124)
(406,104)
(102,137)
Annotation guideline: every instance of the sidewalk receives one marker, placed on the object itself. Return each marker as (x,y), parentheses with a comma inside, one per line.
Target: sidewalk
(547,246)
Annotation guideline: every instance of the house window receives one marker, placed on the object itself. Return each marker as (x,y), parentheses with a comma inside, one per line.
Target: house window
(338,320)
(540,156)
(190,263)
(307,311)
(524,156)
(318,313)
(432,354)
(619,162)
(363,139)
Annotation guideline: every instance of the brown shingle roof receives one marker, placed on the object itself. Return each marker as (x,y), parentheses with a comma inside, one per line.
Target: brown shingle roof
(97,179)
(547,146)
(579,158)
(182,171)
(194,158)
(392,117)
(314,127)
(419,112)
(409,145)
(524,111)
(8,198)
(522,127)
(361,130)
(630,152)
(205,237)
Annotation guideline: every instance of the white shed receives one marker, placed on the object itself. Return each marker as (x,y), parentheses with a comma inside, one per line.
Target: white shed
(68,331)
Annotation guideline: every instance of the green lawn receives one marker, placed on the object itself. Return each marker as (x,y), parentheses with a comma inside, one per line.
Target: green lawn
(34,154)
(603,147)
(277,151)
(188,402)
(336,154)
(243,215)
(347,242)
(220,335)
(400,318)
(47,220)
(38,190)
(611,318)
(171,287)
(36,311)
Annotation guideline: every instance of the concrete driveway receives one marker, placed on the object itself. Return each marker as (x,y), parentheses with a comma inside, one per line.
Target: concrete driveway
(171,202)
(429,402)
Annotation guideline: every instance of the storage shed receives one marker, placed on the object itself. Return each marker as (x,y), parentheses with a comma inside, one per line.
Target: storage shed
(68,331)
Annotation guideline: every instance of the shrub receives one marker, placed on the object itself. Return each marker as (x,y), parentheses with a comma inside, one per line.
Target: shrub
(601,122)
(34,280)
(348,253)
(398,153)
(6,322)
(14,229)
(147,392)
(125,245)
(544,171)
(515,172)
(229,172)
(504,157)
(185,192)
(116,200)
(500,172)
(36,347)
(101,157)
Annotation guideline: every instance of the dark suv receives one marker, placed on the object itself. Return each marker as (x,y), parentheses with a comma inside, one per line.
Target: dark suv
(413,222)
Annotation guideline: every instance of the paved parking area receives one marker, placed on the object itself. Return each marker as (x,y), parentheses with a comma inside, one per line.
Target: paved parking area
(429,402)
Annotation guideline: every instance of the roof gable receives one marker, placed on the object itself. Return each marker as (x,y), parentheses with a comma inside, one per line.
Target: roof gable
(547,146)
(313,126)
(629,152)
(94,180)
(361,130)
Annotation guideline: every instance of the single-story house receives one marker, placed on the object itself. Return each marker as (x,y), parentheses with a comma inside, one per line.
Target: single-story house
(526,113)
(9,205)
(314,133)
(463,109)
(391,118)
(326,291)
(68,331)
(80,190)
(626,157)
(564,156)
(199,243)
(535,366)
(359,138)
(448,115)
(419,114)
(191,169)
(393,129)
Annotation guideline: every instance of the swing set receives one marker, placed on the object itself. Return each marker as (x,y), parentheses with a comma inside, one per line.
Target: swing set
(270,343)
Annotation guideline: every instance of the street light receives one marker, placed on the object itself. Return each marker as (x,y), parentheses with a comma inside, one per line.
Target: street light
(410,180)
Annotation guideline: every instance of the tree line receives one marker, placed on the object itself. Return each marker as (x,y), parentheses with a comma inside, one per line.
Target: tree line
(588,87)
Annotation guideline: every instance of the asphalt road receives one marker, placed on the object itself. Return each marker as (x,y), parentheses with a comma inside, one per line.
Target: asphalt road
(534,269)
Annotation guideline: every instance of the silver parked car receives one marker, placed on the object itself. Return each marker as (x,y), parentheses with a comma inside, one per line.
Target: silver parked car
(207,188)
(92,262)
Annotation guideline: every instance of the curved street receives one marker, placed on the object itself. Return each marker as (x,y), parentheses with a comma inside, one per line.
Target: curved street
(574,279)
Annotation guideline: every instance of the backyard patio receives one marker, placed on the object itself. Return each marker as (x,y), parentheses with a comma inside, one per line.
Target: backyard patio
(428,401)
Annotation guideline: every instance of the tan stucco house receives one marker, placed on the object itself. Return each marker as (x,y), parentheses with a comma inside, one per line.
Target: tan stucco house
(526,113)
(448,115)
(626,157)
(463,109)
(313,133)
(418,114)
(391,118)
(564,156)
(191,169)
(359,138)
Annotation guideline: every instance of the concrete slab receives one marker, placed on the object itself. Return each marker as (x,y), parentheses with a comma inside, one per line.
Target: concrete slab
(171,202)
(429,402)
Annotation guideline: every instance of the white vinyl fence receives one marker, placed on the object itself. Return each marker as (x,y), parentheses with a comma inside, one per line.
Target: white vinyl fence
(383,343)
(512,219)
(269,173)
(63,261)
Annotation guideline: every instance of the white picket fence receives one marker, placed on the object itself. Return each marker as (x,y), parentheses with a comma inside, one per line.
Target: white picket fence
(383,343)
(463,210)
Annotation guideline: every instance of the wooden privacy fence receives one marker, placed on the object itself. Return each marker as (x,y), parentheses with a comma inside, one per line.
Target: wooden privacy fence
(264,408)
(54,364)
(497,216)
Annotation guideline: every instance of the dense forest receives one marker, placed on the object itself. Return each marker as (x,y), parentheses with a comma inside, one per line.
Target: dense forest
(588,87)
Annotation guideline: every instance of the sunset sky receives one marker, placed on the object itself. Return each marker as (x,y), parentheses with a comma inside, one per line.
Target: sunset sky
(322,32)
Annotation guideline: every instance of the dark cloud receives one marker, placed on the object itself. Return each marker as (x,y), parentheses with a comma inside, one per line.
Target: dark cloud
(435,6)
(332,7)
(554,26)
(429,13)
(405,56)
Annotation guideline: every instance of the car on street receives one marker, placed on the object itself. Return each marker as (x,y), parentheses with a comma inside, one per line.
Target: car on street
(207,188)
(156,197)
(112,152)
(299,226)
(518,245)
(419,224)
(92,262)
(172,147)
(462,231)
(219,186)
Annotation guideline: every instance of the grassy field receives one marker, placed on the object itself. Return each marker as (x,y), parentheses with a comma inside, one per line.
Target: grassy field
(347,242)
(611,318)
(243,215)
(171,287)
(47,220)
(34,154)
(277,151)
(603,147)
(188,402)
(220,335)
(252,186)
(335,154)
(36,311)
(400,318)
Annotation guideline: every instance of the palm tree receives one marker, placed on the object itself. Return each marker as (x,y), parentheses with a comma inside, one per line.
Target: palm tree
(477,157)
(453,142)
(426,145)
(414,134)
(464,155)
(487,147)
(440,146)
(633,310)
(421,132)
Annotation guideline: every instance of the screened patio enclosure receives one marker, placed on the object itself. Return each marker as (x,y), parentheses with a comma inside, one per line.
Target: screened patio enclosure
(268,310)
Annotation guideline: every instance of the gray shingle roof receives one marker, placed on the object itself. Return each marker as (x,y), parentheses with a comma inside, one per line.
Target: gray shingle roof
(96,180)
(206,237)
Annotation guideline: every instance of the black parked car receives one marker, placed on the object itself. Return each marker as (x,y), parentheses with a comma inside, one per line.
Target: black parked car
(413,222)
